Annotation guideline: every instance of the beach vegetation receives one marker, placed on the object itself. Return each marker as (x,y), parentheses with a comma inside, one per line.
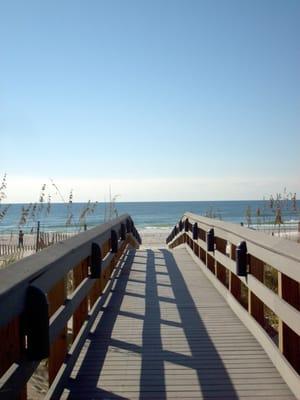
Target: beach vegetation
(211,213)
(3,208)
(248,215)
(25,213)
(87,210)
(278,212)
(3,211)
(70,215)
(3,187)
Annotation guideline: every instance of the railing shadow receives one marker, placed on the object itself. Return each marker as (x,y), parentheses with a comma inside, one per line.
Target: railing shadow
(152,357)
(149,350)
(86,380)
(191,323)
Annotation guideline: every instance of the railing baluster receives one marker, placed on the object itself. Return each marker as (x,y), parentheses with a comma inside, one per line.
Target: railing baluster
(79,274)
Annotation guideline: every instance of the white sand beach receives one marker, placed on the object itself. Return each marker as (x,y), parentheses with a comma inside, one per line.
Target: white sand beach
(150,236)
(13,239)
(154,237)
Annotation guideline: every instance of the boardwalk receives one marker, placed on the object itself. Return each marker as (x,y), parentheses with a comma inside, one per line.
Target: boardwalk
(166,333)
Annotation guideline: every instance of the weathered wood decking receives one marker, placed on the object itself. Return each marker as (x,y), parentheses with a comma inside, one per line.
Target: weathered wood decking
(165,332)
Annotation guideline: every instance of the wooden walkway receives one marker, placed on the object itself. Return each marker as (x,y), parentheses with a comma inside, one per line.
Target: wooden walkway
(166,333)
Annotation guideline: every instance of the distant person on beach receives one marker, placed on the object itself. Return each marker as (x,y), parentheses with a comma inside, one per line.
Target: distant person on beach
(21,239)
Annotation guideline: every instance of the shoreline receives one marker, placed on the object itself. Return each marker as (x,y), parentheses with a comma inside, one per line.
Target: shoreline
(149,235)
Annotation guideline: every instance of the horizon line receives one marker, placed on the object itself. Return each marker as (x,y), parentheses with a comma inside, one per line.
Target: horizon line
(137,201)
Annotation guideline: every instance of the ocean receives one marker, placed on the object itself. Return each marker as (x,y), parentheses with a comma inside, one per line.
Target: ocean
(146,215)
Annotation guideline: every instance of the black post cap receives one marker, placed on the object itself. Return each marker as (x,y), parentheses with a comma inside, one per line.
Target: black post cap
(241,259)
(210,238)
(186,225)
(37,324)
(114,241)
(180,225)
(195,231)
(96,261)
(123,231)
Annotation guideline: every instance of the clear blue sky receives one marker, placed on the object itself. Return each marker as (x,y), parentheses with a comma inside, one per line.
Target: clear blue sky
(151,90)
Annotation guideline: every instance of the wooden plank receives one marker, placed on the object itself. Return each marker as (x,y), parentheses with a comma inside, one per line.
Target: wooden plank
(221,245)
(66,312)
(106,248)
(235,286)
(211,263)
(95,292)
(12,338)
(290,339)
(58,350)
(222,274)
(196,249)
(101,282)
(11,352)
(280,322)
(203,255)
(233,252)
(256,306)
(202,234)
(79,274)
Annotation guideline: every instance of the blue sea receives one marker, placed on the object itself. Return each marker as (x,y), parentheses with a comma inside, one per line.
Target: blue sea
(146,215)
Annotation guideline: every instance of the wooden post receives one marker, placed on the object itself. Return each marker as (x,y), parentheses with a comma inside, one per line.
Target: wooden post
(79,274)
(255,305)
(58,350)
(211,263)
(280,322)
(197,249)
(233,252)
(290,291)
(105,274)
(221,274)
(235,286)
(12,339)
(97,288)
(37,236)
(202,255)
(221,245)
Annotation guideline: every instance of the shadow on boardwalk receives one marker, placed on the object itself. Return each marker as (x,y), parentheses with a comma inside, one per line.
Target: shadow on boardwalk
(145,367)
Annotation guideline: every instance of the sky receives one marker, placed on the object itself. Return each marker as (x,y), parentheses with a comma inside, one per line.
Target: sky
(161,99)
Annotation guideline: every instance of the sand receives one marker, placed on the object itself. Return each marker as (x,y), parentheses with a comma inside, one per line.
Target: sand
(292,235)
(154,237)
(13,239)
(150,237)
